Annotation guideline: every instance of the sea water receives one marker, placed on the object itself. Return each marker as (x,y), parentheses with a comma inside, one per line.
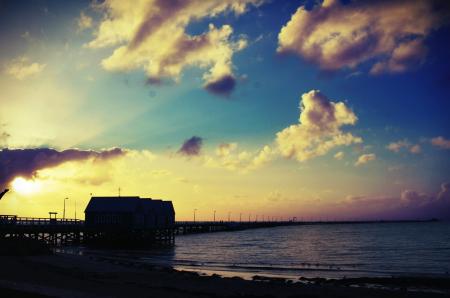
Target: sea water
(321,250)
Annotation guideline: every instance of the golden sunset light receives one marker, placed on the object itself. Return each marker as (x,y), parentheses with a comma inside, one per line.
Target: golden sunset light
(315,132)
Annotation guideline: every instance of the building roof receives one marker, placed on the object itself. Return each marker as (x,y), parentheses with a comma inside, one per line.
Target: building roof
(113,204)
(129,204)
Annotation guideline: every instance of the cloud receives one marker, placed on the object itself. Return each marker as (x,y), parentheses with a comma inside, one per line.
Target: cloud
(404,144)
(440,142)
(365,158)
(415,149)
(413,197)
(21,68)
(151,35)
(396,146)
(339,155)
(225,149)
(26,162)
(444,194)
(319,129)
(230,158)
(223,86)
(265,155)
(191,146)
(335,35)
(84,22)
(410,204)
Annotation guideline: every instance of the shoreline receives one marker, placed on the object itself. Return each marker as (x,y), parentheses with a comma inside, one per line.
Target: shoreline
(64,275)
(247,270)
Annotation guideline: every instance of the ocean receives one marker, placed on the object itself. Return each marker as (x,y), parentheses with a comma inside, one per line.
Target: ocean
(319,250)
(325,250)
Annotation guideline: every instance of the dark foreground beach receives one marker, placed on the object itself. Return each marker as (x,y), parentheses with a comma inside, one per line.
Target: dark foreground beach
(88,276)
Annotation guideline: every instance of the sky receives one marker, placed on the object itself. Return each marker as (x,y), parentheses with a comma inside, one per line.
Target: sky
(251,108)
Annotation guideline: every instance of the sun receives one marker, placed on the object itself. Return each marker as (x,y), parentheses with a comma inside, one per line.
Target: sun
(24,186)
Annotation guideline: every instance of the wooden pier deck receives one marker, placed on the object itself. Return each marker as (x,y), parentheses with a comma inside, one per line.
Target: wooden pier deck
(52,231)
(193,227)
(59,232)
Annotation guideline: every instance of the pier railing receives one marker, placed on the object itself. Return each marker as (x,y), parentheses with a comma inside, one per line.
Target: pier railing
(37,221)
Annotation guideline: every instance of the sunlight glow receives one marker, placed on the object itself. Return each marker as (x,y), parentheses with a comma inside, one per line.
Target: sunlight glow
(24,186)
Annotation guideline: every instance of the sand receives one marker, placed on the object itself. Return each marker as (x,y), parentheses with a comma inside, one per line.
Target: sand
(63,275)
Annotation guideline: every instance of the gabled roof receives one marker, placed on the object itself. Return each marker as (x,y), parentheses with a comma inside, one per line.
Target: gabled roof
(129,204)
(113,204)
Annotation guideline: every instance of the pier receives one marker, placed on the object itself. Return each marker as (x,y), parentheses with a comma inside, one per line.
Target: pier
(52,231)
(194,227)
(60,232)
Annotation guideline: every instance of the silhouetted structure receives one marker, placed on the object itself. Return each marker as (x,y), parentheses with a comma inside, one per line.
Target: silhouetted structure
(129,221)
(58,231)
(3,193)
(129,213)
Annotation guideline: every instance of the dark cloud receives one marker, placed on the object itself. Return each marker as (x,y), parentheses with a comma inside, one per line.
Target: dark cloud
(26,162)
(153,81)
(192,146)
(223,86)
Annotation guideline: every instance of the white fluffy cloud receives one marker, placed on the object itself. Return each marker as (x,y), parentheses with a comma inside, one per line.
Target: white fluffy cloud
(151,35)
(365,158)
(319,129)
(21,68)
(335,35)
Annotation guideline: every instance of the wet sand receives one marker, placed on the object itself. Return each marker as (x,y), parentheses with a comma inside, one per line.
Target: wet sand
(82,276)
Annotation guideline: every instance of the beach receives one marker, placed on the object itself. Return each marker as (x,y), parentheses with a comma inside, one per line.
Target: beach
(62,275)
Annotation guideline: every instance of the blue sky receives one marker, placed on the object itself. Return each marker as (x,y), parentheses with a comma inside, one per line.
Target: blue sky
(74,101)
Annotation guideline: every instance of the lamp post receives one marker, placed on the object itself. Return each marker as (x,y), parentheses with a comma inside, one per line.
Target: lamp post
(240,217)
(229,215)
(75,209)
(214,215)
(195,210)
(64,210)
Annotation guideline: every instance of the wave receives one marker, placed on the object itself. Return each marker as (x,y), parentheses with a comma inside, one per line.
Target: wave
(304,269)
